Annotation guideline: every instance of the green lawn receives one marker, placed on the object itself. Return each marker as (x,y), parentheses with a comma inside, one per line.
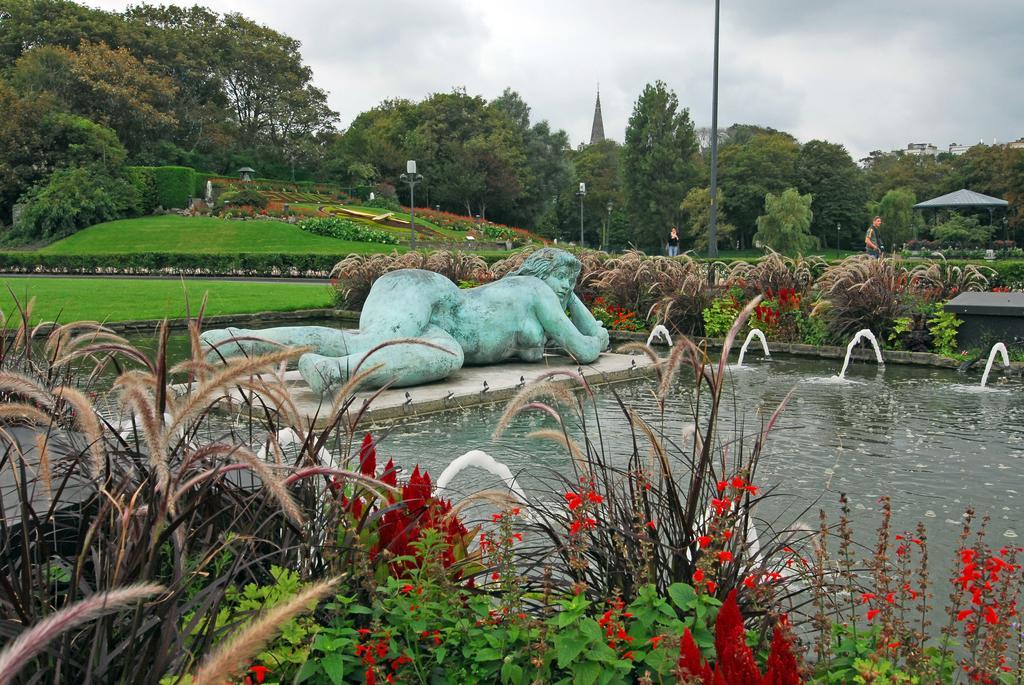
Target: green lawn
(172,233)
(96,299)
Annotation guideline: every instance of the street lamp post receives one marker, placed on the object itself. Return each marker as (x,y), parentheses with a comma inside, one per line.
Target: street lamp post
(582,193)
(713,223)
(412,178)
(607,225)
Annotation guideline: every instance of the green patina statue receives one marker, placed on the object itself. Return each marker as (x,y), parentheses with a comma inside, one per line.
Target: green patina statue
(510,318)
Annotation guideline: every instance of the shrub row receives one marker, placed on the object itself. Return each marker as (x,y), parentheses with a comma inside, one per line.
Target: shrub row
(165,263)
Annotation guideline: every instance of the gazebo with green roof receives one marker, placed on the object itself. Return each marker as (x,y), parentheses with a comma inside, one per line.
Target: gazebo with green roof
(964,199)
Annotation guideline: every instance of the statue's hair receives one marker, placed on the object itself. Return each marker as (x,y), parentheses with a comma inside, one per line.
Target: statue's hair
(545,260)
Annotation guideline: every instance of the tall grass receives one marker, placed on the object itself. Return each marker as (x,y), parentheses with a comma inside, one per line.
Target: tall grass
(149,491)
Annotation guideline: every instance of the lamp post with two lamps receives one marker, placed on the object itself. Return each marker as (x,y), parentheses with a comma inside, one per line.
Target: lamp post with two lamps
(412,178)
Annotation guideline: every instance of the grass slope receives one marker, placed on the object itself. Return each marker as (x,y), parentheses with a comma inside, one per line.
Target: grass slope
(205,235)
(96,299)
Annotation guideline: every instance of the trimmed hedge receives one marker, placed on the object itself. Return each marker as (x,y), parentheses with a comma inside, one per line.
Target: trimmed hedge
(174,185)
(169,187)
(167,263)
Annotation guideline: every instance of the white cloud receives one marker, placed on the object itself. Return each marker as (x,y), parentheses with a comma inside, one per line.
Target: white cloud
(870,75)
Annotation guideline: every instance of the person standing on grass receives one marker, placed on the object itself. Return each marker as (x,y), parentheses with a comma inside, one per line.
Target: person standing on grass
(673,242)
(872,243)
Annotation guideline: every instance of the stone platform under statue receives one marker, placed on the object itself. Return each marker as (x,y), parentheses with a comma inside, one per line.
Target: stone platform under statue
(465,387)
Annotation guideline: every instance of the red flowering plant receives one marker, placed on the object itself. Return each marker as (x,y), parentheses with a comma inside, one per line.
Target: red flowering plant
(883,626)
(666,512)
(734,662)
(616,318)
(386,526)
(779,314)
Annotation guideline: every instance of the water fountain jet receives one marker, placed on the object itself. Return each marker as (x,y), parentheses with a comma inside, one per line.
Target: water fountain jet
(754,332)
(998,347)
(662,331)
(863,333)
(481,460)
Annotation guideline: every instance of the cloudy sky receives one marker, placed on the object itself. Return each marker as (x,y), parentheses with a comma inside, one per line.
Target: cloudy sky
(870,74)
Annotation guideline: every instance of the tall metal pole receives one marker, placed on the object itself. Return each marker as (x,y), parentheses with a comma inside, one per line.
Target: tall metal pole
(582,192)
(412,178)
(713,227)
(412,215)
(581,220)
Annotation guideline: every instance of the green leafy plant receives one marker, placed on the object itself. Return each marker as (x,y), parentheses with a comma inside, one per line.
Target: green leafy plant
(813,330)
(719,317)
(943,325)
(344,229)
(246,197)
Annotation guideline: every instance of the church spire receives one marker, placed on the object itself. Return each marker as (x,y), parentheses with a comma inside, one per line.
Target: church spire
(597,130)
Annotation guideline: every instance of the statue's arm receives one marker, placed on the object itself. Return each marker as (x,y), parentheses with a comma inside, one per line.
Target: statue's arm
(558,327)
(582,318)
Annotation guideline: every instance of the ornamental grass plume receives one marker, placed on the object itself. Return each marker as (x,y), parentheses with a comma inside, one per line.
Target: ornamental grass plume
(235,655)
(34,640)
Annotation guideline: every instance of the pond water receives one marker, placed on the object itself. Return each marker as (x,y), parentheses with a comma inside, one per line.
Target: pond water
(931,439)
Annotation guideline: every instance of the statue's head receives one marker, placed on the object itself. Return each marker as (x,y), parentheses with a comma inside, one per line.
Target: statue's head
(558,268)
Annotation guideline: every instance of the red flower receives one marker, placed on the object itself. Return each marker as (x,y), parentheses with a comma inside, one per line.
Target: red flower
(368,456)
(724,556)
(872,613)
(704,541)
(721,506)
(573,500)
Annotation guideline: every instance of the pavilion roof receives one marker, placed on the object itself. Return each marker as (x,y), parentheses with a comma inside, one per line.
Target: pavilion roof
(962,198)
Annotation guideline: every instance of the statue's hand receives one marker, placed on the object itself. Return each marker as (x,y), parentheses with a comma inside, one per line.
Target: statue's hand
(602,337)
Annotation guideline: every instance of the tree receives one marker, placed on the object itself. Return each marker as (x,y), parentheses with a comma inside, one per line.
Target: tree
(36,138)
(266,84)
(546,171)
(765,163)
(696,209)
(898,221)
(600,167)
(28,24)
(475,154)
(108,86)
(660,163)
(962,230)
(997,171)
(923,175)
(785,225)
(832,178)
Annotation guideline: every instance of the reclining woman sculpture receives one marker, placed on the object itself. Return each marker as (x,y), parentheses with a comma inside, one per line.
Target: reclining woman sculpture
(510,318)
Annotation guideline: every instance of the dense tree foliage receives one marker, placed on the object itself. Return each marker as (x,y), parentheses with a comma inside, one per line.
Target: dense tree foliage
(85,93)
(828,173)
(660,163)
(752,166)
(786,223)
(696,207)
